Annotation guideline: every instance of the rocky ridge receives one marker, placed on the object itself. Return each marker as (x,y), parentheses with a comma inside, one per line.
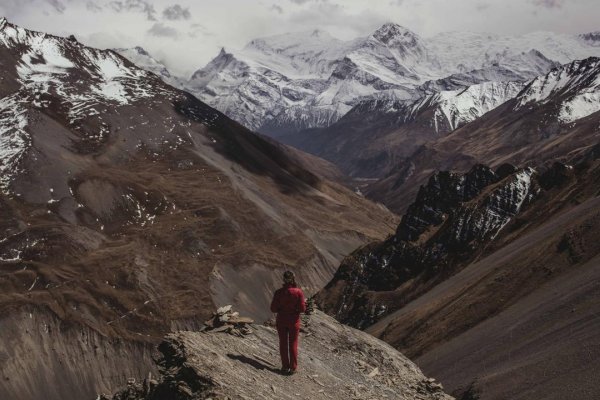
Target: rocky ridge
(484,275)
(452,219)
(376,135)
(504,334)
(336,362)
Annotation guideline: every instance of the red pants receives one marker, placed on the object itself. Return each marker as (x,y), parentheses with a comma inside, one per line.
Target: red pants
(288,345)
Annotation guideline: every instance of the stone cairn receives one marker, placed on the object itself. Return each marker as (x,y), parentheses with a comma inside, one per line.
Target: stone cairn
(310,308)
(228,321)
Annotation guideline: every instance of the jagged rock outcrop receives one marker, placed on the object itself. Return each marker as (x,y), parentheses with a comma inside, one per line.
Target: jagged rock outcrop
(506,307)
(452,219)
(336,362)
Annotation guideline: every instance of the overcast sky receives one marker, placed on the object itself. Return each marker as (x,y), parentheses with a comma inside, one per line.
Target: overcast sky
(185,34)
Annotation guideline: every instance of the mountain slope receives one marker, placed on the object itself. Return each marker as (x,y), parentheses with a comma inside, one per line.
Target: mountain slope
(527,305)
(130,208)
(488,281)
(577,85)
(451,221)
(144,60)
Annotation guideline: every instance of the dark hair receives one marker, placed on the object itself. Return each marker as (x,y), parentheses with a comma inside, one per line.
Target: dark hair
(289,277)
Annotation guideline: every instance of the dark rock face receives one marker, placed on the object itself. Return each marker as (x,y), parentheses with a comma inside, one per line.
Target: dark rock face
(453,217)
(443,193)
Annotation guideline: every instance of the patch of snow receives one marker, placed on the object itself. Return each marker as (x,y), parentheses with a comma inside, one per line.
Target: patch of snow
(580,106)
(575,85)
(14,140)
(459,107)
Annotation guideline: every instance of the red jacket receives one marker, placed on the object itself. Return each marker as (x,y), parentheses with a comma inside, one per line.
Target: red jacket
(288,302)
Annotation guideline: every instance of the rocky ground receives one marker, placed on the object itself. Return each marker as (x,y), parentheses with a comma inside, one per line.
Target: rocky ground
(336,362)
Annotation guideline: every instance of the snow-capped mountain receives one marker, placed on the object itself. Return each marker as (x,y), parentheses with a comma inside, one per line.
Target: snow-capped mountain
(87,83)
(455,108)
(143,59)
(555,115)
(290,82)
(576,86)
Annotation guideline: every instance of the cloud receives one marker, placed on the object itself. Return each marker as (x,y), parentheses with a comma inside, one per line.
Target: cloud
(176,12)
(549,3)
(57,5)
(338,17)
(199,29)
(161,30)
(93,7)
(142,6)
(482,6)
(300,1)
(277,8)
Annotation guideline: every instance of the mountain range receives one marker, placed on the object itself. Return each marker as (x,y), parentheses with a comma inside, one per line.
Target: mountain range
(290,82)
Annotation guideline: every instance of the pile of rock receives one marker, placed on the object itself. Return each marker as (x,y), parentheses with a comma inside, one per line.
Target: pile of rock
(310,309)
(228,321)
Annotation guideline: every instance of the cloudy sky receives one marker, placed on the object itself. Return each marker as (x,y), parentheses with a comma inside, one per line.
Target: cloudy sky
(185,34)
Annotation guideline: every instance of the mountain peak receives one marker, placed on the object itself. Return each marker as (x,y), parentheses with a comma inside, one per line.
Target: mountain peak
(141,50)
(391,29)
(318,33)
(574,86)
(391,34)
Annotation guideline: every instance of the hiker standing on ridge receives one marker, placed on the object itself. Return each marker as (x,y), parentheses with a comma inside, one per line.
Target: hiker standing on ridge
(288,302)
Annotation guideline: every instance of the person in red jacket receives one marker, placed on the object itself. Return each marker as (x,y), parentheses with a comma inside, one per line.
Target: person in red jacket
(288,302)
